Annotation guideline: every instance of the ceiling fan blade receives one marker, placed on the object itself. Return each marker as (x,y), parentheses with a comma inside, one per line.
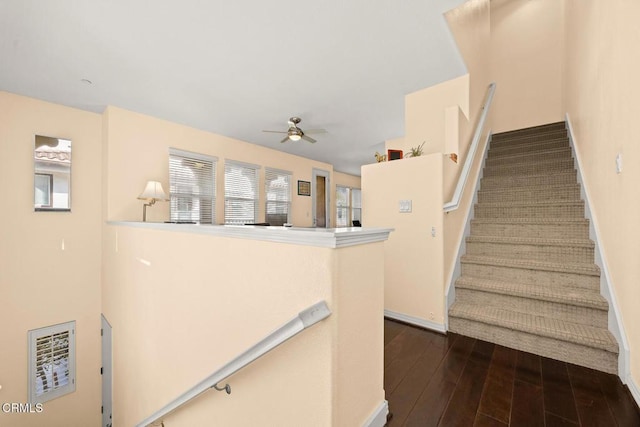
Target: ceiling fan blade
(308,139)
(315,131)
(286,138)
(274,131)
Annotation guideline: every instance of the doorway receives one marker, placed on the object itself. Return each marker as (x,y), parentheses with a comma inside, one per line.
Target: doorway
(106,372)
(320,190)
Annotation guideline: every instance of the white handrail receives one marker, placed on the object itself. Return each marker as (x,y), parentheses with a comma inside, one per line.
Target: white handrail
(303,320)
(464,175)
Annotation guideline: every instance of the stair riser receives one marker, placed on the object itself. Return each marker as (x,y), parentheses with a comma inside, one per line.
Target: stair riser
(532,195)
(535,168)
(600,360)
(562,311)
(531,277)
(534,147)
(568,231)
(531,131)
(556,211)
(515,182)
(519,159)
(528,139)
(534,252)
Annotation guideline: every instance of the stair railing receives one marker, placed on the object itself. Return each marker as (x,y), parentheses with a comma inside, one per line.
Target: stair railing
(302,321)
(466,169)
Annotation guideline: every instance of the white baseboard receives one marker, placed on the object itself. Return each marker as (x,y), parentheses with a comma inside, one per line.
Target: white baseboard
(423,323)
(379,416)
(606,283)
(634,389)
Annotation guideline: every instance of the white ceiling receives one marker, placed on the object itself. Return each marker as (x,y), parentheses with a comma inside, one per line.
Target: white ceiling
(236,68)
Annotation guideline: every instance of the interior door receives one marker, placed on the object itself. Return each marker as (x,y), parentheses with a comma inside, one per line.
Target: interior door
(106,374)
(320,192)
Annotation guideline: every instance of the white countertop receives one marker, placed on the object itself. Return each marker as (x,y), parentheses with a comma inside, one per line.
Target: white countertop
(322,237)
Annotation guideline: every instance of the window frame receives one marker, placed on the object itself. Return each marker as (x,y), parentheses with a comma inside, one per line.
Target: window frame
(228,164)
(349,209)
(267,202)
(50,192)
(33,336)
(176,197)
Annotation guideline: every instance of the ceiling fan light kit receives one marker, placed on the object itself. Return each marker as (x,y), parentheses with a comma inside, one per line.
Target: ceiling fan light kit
(294,133)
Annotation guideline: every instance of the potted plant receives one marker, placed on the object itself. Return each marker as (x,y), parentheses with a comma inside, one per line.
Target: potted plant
(415,151)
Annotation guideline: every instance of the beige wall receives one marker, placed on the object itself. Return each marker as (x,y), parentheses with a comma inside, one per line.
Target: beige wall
(345,180)
(172,327)
(138,151)
(526,62)
(413,258)
(601,89)
(41,284)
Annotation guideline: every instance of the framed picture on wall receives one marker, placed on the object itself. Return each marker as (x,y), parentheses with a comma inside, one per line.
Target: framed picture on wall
(394,155)
(304,188)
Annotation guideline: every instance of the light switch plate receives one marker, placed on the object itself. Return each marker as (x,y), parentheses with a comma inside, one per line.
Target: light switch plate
(404,206)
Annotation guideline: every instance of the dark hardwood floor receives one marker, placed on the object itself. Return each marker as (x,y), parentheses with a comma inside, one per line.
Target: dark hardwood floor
(436,380)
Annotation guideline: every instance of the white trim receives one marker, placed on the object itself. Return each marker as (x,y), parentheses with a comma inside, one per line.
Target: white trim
(464,175)
(606,284)
(322,237)
(191,154)
(633,388)
(379,416)
(427,324)
(242,164)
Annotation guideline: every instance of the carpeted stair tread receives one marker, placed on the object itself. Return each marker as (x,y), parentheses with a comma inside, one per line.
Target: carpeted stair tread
(537,325)
(573,296)
(527,157)
(586,269)
(530,130)
(529,139)
(532,204)
(497,150)
(537,192)
(542,167)
(584,243)
(531,221)
(510,181)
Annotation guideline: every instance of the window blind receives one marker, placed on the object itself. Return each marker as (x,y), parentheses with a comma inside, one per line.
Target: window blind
(51,362)
(342,206)
(278,194)
(192,187)
(240,192)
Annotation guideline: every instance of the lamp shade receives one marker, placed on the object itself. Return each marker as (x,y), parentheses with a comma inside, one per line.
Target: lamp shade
(153,191)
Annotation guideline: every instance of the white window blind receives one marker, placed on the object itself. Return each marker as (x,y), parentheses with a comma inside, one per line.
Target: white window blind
(192,187)
(52,367)
(356,205)
(278,192)
(240,192)
(342,206)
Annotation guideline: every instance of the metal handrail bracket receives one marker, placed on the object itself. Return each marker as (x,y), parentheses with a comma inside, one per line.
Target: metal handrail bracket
(303,320)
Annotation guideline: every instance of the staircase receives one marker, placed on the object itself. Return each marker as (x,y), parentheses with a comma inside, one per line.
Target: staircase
(529,280)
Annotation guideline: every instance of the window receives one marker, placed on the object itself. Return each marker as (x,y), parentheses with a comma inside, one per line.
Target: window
(52,177)
(342,206)
(192,187)
(52,369)
(356,205)
(44,190)
(240,192)
(348,206)
(278,191)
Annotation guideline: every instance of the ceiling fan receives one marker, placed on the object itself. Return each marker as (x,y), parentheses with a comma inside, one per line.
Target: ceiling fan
(294,133)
